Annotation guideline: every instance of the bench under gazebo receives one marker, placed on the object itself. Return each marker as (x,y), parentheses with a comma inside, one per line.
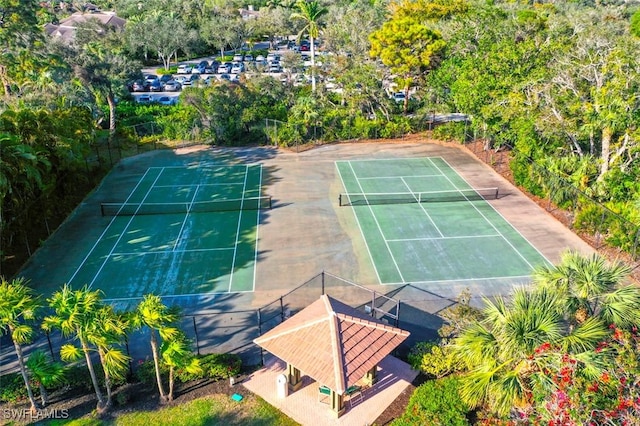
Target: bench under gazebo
(334,344)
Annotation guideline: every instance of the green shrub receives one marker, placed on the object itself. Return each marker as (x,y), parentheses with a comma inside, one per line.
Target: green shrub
(146,372)
(436,403)
(214,366)
(13,388)
(450,132)
(433,359)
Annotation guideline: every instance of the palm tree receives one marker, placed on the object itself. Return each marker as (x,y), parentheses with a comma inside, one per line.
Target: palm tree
(107,329)
(75,313)
(160,320)
(45,372)
(176,353)
(500,351)
(17,305)
(591,287)
(310,13)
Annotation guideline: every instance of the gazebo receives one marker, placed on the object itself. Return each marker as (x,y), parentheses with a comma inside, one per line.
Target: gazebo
(333,343)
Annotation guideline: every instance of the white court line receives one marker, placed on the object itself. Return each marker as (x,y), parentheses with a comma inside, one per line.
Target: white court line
(186,217)
(201,184)
(358,222)
(235,250)
(105,231)
(378,225)
(145,253)
(124,231)
(463,237)
(422,207)
(259,213)
(396,177)
(488,221)
(500,214)
(200,166)
(460,280)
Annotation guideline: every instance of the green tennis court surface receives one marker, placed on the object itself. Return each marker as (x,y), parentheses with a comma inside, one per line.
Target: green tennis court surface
(181,231)
(422,222)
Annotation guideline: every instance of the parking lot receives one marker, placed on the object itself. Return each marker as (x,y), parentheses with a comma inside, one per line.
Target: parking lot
(165,89)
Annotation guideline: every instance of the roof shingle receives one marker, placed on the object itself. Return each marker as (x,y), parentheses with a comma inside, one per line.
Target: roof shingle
(331,342)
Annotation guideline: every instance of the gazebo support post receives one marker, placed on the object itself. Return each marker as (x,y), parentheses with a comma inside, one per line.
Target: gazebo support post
(371,376)
(294,378)
(337,403)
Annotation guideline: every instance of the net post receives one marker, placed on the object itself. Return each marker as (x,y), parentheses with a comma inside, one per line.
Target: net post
(195,331)
(340,200)
(496,192)
(102,209)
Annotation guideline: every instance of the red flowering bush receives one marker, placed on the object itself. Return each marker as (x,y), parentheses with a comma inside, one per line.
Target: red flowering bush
(574,395)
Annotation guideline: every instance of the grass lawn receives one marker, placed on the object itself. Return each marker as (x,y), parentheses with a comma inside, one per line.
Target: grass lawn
(211,410)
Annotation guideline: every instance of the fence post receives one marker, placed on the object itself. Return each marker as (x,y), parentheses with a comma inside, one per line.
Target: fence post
(281,310)
(373,304)
(260,334)
(126,345)
(322,281)
(50,346)
(195,330)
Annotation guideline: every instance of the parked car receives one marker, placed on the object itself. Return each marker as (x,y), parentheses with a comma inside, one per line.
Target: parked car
(165,77)
(172,86)
(209,79)
(248,57)
(224,68)
(143,99)
(272,57)
(139,86)
(167,100)
(238,57)
(155,86)
(200,68)
(399,97)
(275,67)
(260,58)
(180,79)
(191,79)
(237,68)
(149,78)
(185,69)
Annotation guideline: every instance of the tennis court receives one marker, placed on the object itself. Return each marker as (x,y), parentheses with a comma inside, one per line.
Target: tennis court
(182,230)
(422,222)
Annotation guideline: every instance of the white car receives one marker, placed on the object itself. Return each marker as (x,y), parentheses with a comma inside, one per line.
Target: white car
(399,97)
(184,69)
(224,68)
(237,68)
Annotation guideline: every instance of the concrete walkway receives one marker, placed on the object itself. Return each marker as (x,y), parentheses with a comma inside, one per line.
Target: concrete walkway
(305,407)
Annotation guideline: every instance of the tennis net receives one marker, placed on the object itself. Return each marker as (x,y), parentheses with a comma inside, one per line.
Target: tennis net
(366,199)
(132,209)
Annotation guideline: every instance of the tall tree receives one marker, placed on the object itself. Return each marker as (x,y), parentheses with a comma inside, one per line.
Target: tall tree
(19,35)
(18,305)
(101,63)
(408,47)
(310,13)
(74,315)
(160,320)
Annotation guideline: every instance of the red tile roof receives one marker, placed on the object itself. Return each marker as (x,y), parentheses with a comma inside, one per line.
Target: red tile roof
(331,342)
